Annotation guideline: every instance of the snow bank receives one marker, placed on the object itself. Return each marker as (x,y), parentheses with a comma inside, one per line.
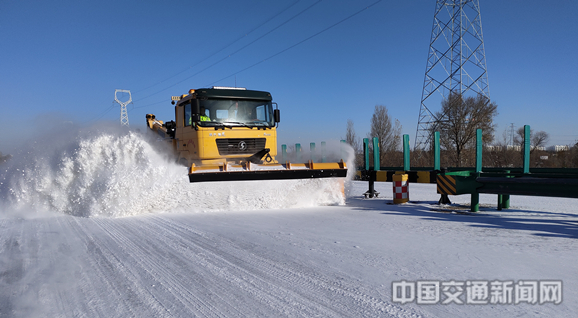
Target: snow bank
(109,171)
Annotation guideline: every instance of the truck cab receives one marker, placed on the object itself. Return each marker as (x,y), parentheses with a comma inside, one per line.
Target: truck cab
(222,124)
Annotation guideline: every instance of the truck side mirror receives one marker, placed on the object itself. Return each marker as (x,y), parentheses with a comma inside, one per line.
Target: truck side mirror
(196,110)
(276,115)
(196,107)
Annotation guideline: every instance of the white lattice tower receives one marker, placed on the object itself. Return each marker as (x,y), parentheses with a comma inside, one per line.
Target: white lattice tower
(123,112)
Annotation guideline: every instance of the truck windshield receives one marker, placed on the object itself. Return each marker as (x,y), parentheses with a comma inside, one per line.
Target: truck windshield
(236,112)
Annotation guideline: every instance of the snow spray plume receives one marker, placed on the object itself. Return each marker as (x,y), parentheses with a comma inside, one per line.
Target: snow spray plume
(106,170)
(334,151)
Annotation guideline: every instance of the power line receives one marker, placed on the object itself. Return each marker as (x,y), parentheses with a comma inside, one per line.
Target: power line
(218,51)
(300,42)
(268,58)
(233,53)
(102,113)
(156,103)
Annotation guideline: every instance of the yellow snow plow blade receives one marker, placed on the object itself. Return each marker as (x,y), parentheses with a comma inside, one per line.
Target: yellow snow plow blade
(252,171)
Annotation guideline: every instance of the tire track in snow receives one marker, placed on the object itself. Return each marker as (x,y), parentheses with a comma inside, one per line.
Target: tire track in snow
(11,267)
(36,265)
(148,256)
(278,299)
(55,245)
(112,265)
(209,268)
(122,282)
(297,281)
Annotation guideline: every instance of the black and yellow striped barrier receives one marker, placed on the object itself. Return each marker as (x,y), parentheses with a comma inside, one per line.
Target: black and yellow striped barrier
(427,176)
(446,185)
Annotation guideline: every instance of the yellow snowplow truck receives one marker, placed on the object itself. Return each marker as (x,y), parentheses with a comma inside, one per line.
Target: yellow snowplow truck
(227,133)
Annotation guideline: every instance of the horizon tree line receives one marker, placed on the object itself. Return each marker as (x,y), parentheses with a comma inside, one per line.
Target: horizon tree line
(457,121)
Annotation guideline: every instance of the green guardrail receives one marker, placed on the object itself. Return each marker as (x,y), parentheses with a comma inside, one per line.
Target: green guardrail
(550,182)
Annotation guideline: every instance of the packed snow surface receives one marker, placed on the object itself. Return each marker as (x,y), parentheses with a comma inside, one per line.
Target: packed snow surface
(103,225)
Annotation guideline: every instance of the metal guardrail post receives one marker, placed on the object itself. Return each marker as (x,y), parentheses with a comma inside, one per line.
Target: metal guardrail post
(504,199)
(406,166)
(312,151)
(444,199)
(376,154)
(526,149)
(437,150)
(366,153)
(298,152)
(371,174)
(479,148)
(475,200)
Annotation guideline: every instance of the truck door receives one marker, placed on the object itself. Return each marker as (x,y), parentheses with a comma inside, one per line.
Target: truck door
(188,147)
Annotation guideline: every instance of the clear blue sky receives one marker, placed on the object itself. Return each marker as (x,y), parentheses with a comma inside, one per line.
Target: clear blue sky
(62,60)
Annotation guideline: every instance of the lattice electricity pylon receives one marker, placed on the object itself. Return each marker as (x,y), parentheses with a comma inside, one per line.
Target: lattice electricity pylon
(123,112)
(456,62)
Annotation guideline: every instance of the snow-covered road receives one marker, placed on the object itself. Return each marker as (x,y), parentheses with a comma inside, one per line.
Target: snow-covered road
(99,223)
(332,261)
(173,265)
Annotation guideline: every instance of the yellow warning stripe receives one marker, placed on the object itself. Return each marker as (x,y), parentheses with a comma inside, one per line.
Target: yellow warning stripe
(446,185)
(381,176)
(423,177)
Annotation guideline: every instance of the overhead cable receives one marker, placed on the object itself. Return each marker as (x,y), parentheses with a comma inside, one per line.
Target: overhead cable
(298,43)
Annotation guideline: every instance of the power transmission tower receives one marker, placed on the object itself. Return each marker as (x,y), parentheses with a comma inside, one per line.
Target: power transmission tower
(456,62)
(512,134)
(123,112)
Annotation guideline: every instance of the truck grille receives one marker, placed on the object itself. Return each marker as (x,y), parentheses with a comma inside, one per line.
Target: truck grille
(238,146)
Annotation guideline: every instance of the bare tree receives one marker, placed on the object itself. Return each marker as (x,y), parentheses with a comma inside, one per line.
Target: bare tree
(537,140)
(505,155)
(458,121)
(388,133)
(354,141)
(351,137)
(573,157)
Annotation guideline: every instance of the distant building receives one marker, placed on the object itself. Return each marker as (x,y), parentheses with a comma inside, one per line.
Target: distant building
(516,148)
(558,148)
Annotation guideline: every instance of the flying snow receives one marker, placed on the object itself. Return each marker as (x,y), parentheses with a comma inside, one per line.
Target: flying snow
(114,172)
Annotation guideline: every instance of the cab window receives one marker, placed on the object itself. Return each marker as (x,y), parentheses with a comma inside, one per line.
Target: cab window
(188,120)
